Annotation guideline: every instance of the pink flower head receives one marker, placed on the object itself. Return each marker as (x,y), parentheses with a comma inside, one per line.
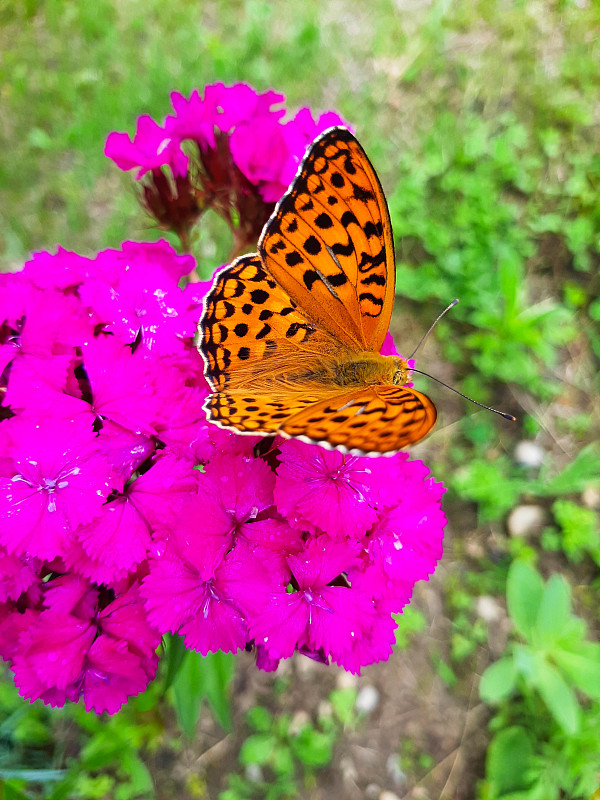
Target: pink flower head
(59,480)
(121,384)
(80,647)
(117,539)
(406,544)
(300,132)
(59,271)
(324,613)
(17,575)
(336,493)
(151,148)
(260,150)
(194,119)
(236,491)
(125,450)
(208,603)
(235,104)
(144,299)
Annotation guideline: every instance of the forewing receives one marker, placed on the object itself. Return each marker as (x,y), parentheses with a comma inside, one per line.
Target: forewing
(329,243)
(379,419)
(251,333)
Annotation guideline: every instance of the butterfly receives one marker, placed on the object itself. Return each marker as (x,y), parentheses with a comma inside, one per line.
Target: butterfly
(291,336)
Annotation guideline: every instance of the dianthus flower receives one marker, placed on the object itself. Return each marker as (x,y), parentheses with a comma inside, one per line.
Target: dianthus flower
(58,480)
(150,148)
(83,644)
(124,514)
(245,156)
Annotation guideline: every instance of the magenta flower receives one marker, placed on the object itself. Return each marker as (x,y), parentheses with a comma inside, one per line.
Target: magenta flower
(151,148)
(194,119)
(236,491)
(125,450)
(117,539)
(324,613)
(205,594)
(299,132)
(80,647)
(240,102)
(62,270)
(336,493)
(144,299)
(111,264)
(17,575)
(121,384)
(160,493)
(123,512)
(58,481)
(406,544)
(259,148)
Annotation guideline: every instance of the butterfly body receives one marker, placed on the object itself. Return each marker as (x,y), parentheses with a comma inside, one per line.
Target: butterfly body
(291,336)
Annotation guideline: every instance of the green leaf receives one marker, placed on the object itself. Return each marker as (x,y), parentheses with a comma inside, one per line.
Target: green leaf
(260,719)
(583,667)
(524,590)
(509,760)
(175,647)
(576,476)
(203,677)
(257,749)
(555,609)
(344,702)
(443,669)
(558,697)
(282,761)
(498,681)
(313,748)
(410,622)
(8,792)
(140,783)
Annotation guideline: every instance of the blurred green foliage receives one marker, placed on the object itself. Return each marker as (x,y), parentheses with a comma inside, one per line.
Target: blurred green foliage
(545,746)
(281,752)
(481,118)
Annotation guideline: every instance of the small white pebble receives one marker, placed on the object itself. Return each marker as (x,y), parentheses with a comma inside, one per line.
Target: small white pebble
(372,791)
(488,608)
(348,770)
(529,454)
(300,720)
(254,773)
(393,767)
(346,680)
(525,520)
(367,700)
(387,795)
(591,497)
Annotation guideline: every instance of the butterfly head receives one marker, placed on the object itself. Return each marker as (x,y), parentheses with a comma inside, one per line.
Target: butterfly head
(401,371)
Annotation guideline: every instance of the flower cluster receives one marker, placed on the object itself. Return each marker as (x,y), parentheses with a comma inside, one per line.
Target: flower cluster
(125,515)
(229,150)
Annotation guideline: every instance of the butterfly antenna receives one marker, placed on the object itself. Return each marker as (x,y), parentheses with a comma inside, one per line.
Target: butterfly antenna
(435,322)
(470,399)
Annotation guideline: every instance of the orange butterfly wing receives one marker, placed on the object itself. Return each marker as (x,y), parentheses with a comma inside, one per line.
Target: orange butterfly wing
(329,243)
(282,331)
(367,421)
(259,351)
